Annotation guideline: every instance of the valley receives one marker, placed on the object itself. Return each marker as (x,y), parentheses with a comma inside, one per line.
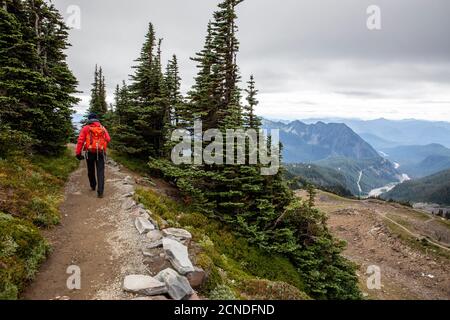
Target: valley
(370,158)
(410,246)
(335,147)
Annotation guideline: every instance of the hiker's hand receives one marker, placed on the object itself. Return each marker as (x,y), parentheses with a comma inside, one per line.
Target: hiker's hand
(80,157)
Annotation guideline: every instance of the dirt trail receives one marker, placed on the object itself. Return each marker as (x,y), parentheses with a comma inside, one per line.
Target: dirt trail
(97,236)
(413,234)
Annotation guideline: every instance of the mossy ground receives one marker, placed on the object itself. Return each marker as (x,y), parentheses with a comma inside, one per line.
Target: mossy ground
(236,269)
(30,194)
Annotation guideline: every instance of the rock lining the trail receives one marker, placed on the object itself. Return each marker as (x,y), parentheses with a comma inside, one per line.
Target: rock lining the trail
(179,235)
(128,204)
(178,255)
(160,248)
(146,285)
(143,225)
(126,189)
(153,245)
(178,286)
(197,277)
(154,235)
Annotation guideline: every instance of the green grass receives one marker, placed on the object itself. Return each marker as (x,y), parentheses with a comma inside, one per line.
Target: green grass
(418,215)
(22,249)
(400,220)
(31,188)
(58,166)
(30,195)
(236,268)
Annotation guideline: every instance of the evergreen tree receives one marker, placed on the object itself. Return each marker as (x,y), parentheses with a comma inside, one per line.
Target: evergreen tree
(36,84)
(124,134)
(176,106)
(260,208)
(311,195)
(144,117)
(98,104)
(251,120)
(173,86)
(204,95)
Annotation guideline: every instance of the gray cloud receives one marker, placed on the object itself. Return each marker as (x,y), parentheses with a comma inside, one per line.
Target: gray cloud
(291,46)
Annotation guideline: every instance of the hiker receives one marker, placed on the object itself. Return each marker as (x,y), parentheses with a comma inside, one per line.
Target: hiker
(93,141)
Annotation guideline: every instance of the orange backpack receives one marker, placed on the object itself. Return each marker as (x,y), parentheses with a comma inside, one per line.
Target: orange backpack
(96,139)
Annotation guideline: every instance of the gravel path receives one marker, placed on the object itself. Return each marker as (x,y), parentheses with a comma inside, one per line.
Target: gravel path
(96,235)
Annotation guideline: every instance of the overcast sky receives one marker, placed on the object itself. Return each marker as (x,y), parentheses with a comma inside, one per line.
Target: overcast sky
(314,58)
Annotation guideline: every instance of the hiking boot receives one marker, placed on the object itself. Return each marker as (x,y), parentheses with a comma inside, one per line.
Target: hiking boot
(100,195)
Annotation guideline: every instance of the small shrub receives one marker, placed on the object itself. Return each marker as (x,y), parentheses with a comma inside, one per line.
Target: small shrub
(45,211)
(270,290)
(22,249)
(30,194)
(222,292)
(13,142)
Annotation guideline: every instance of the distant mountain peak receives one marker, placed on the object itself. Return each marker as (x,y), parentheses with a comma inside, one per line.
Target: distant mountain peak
(312,142)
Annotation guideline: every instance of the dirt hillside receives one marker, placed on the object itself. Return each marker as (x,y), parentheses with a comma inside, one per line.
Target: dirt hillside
(410,247)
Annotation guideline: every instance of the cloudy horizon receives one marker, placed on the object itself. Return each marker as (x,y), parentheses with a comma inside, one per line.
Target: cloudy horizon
(311,59)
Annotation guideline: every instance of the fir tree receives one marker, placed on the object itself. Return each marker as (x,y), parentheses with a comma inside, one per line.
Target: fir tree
(311,195)
(36,84)
(204,95)
(98,104)
(251,120)
(173,85)
(142,130)
(124,134)
(260,208)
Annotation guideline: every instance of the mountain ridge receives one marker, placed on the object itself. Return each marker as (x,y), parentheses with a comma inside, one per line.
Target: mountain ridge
(431,189)
(335,147)
(312,142)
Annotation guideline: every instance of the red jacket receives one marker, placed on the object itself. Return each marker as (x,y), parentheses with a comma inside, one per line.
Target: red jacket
(83,134)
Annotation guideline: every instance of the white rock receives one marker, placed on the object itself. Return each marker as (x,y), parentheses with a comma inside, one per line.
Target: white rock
(143,213)
(154,235)
(143,225)
(178,286)
(177,234)
(111,162)
(126,189)
(177,254)
(154,245)
(148,252)
(128,180)
(155,298)
(128,204)
(128,195)
(144,285)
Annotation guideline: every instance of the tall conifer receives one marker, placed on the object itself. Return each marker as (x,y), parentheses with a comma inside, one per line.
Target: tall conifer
(37,86)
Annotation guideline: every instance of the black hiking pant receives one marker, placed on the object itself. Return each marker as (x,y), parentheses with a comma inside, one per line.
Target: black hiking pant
(96,162)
